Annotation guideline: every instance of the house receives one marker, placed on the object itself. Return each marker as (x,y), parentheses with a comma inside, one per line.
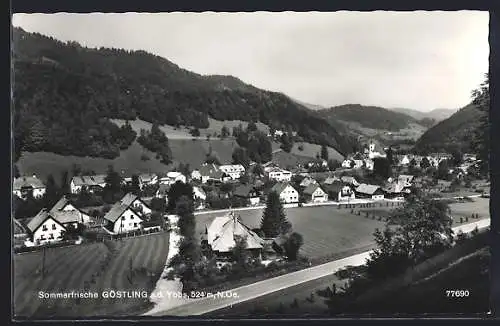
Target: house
(147,179)
(127,214)
(349,180)
(235,171)
(331,180)
(358,164)
(172,177)
(315,194)
(26,186)
(369,164)
(279,175)
(249,193)
(91,183)
(200,197)
(348,164)
(44,228)
(406,180)
(212,174)
(396,190)
(307,181)
(286,192)
(405,160)
(374,150)
(223,233)
(64,205)
(339,191)
(369,191)
(318,163)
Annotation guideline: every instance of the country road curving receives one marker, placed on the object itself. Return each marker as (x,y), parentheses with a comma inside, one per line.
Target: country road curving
(248,292)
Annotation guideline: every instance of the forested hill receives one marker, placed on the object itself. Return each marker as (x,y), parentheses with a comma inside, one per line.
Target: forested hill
(368,116)
(454,133)
(64,94)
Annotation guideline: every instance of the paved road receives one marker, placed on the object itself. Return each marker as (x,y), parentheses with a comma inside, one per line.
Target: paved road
(252,291)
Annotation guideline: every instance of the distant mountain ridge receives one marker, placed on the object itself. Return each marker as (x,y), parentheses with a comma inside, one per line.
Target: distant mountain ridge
(368,116)
(454,133)
(436,114)
(64,95)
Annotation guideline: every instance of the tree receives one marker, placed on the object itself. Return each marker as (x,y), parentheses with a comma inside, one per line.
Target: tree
(176,191)
(65,186)
(240,156)
(443,171)
(112,190)
(424,164)
(286,143)
(51,195)
(390,156)
(135,186)
(274,221)
(481,136)
(457,157)
(333,165)
(224,132)
(423,230)
(158,205)
(239,252)
(381,167)
(195,132)
(251,127)
(16,173)
(292,245)
(324,152)
(258,170)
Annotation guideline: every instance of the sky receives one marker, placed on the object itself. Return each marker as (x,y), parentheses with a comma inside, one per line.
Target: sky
(417,60)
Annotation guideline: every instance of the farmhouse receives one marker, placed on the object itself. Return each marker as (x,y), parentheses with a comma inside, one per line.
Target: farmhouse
(147,179)
(350,181)
(28,186)
(369,191)
(171,178)
(395,190)
(44,228)
(286,192)
(249,193)
(279,175)
(235,171)
(331,180)
(348,164)
(406,180)
(374,150)
(127,214)
(91,183)
(211,173)
(358,164)
(405,160)
(315,194)
(307,181)
(339,191)
(223,233)
(64,205)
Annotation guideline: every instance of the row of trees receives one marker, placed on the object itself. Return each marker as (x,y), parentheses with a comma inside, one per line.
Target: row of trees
(156,141)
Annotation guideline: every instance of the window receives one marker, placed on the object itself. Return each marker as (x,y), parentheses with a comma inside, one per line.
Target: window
(135,225)
(53,226)
(51,236)
(130,224)
(44,228)
(123,218)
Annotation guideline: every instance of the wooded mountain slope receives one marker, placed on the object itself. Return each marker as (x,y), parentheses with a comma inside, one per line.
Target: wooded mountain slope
(64,95)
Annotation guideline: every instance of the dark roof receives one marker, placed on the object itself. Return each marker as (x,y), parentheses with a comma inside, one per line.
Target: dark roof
(25,182)
(310,189)
(121,206)
(280,186)
(334,187)
(243,191)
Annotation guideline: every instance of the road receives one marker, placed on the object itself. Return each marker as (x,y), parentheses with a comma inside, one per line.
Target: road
(255,290)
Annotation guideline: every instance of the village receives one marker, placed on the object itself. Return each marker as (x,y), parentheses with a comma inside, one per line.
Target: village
(224,188)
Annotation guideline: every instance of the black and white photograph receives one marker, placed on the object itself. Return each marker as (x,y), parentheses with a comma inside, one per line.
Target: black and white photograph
(250,165)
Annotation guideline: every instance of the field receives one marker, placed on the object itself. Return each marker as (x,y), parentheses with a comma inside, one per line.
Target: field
(326,229)
(184,150)
(130,264)
(466,209)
